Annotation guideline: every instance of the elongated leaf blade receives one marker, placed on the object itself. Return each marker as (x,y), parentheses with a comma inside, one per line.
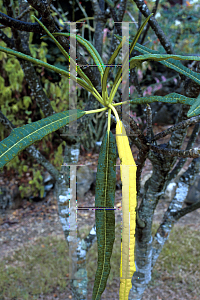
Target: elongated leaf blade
(159,57)
(139,33)
(117,78)
(66,55)
(170,63)
(195,108)
(112,58)
(170,98)
(48,66)
(90,48)
(22,137)
(105,219)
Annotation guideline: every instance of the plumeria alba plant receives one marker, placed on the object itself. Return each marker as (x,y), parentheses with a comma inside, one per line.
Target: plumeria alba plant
(21,138)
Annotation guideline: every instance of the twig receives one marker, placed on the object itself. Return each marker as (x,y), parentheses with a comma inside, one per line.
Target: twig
(132,19)
(20,25)
(148,26)
(186,210)
(20,16)
(121,9)
(190,145)
(86,16)
(149,122)
(194,153)
(175,127)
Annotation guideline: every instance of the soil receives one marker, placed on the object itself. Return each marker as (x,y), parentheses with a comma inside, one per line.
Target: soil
(23,226)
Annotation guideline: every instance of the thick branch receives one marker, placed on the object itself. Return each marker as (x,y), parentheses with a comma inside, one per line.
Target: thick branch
(194,153)
(155,26)
(174,211)
(181,125)
(190,145)
(149,122)
(20,25)
(148,26)
(186,210)
(48,21)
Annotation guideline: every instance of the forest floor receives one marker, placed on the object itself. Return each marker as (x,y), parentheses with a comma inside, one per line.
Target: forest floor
(34,230)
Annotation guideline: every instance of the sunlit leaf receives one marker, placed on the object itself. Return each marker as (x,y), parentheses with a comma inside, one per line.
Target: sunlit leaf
(129,202)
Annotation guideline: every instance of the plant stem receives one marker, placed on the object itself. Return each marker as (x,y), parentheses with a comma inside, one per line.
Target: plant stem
(95,110)
(109,119)
(114,111)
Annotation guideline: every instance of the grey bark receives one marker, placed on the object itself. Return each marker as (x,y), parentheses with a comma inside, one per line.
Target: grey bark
(79,286)
(77,247)
(156,185)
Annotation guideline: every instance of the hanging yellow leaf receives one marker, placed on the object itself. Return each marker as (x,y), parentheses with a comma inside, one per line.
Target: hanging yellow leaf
(128,176)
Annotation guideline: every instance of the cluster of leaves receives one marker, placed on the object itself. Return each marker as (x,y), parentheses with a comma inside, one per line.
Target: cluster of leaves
(17,104)
(22,137)
(182,27)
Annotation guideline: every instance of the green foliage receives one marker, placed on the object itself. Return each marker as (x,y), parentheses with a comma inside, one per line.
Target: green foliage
(66,55)
(57,158)
(35,186)
(183,28)
(195,108)
(21,138)
(80,81)
(105,218)
(170,98)
(90,48)
(58,93)
(170,63)
(15,73)
(19,110)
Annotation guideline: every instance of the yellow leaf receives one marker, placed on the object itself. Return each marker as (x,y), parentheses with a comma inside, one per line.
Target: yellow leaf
(128,176)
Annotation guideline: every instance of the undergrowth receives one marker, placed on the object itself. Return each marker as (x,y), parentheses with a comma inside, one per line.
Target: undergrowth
(43,266)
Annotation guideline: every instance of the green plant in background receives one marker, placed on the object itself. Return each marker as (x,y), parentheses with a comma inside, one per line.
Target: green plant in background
(22,137)
(19,108)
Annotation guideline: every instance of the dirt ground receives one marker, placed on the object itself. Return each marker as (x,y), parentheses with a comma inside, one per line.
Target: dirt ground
(23,226)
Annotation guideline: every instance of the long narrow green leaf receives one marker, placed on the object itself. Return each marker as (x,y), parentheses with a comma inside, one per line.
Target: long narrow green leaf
(195,108)
(135,40)
(139,33)
(118,75)
(160,57)
(115,86)
(90,48)
(66,55)
(170,63)
(105,218)
(22,137)
(105,75)
(38,62)
(170,98)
